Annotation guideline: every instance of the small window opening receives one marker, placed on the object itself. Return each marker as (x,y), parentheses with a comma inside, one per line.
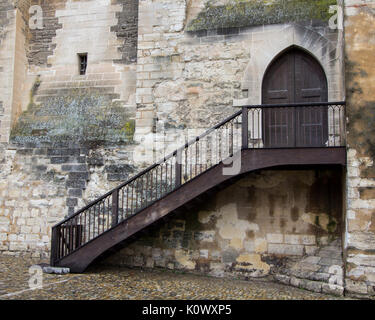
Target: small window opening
(82,63)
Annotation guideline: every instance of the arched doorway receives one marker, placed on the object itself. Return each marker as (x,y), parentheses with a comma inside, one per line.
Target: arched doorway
(295,77)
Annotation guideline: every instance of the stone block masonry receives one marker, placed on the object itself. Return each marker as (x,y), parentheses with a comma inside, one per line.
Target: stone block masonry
(7,46)
(42,184)
(249,230)
(360,215)
(127,29)
(41,44)
(321,271)
(189,78)
(72,134)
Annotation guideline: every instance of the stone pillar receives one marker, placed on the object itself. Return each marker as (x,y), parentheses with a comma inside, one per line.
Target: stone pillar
(7,48)
(360,76)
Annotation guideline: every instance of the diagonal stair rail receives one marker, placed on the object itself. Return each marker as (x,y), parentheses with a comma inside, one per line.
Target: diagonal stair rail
(155,182)
(243,130)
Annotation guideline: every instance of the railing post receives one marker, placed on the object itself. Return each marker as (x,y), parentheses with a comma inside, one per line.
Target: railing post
(231,142)
(245,128)
(343,126)
(54,245)
(115,201)
(178,168)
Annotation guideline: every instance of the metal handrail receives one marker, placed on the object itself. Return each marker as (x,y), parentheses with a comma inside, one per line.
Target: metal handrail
(107,206)
(148,169)
(291,105)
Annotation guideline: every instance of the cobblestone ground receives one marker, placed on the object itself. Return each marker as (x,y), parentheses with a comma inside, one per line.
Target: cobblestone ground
(107,283)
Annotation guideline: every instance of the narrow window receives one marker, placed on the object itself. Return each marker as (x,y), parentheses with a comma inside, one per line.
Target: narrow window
(82,63)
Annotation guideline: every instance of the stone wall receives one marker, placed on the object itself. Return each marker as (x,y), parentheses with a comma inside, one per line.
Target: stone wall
(41,184)
(249,229)
(72,135)
(97,28)
(7,45)
(20,69)
(13,62)
(360,76)
(193,71)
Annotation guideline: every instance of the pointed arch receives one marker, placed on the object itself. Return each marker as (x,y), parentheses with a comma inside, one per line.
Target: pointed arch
(294,76)
(268,45)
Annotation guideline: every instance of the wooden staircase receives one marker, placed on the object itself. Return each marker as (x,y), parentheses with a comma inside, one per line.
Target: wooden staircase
(224,153)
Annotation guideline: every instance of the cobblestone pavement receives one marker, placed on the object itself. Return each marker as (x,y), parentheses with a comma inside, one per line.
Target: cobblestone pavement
(106,283)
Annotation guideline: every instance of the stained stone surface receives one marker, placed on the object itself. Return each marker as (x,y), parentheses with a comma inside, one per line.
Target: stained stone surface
(320,272)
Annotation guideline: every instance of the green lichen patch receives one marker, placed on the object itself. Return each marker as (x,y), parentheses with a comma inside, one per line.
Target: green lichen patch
(79,116)
(240,13)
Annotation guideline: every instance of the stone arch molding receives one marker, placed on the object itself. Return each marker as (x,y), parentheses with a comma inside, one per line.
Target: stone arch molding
(274,40)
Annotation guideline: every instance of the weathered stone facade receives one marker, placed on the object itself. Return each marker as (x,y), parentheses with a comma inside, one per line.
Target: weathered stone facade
(160,71)
(192,75)
(71,137)
(360,74)
(250,229)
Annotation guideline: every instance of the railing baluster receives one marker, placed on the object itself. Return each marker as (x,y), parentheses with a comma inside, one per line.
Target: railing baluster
(54,246)
(167,172)
(115,207)
(196,157)
(89,219)
(178,168)
(186,178)
(156,183)
(190,151)
(127,201)
(334,126)
(71,236)
(161,181)
(103,215)
(231,142)
(122,203)
(172,180)
(84,228)
(63,240)
(146,191)
(245,128)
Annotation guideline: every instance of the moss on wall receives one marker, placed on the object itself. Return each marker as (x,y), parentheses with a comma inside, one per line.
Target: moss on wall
(79,116)
(240,13)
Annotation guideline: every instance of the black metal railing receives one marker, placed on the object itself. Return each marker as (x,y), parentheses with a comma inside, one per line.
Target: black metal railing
(306,125)
(264,126)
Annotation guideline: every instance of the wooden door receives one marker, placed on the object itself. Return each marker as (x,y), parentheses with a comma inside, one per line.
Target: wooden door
(295,77)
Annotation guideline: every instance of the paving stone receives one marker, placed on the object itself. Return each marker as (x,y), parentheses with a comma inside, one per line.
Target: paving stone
(311,259)
(282,279)
(111,283)
(308,266)
(330,262)
(317,276)
(314,286)
(332,289)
